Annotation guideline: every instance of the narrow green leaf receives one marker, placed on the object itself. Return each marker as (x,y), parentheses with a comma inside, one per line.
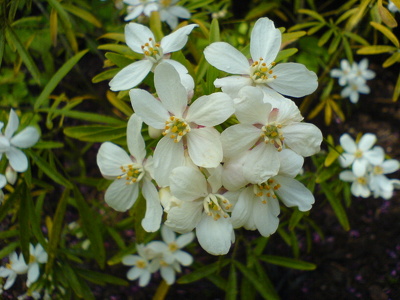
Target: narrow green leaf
(81,13)
(119,60)
(334,44)
(376,49)
(23,53)
(80,287)
(260,270)
(96,133)
(313,14)
(61,12)
(356,37)
(8,234)
(24,221)
(48,145)
(105,75)
(295,218)
(394,58)
(155,25)
(325,37)
(288,262)
(57,77)
(8,249)
(214,31)
(385,31)
(100,278)
(231,288)
(6,207)
(121,49)
(2,44)
(119,104)
(396,92)
(86,116)
(336,205)
(202,272)
(285,53)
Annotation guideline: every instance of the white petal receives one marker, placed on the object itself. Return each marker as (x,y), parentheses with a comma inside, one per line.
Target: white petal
(167,234)
(250,107)
(359,167)
(110,158)
(185,79)
(168,155)
(389,166)
(291,163)
(185,239)
(17,159)
(10,281)
(134,13)
(214,236)
(130,260)
(303,138)
(171,92)
(26,138)
(184,258)
(243,209)
(12,125)
(239,138)
(266,216)
(137,35)
(152,219)
(348,143)
(135,141)
(184,218)
(176,40)
(131,75)
(211,110)
(120,195)
(232,175)
(188,184)
(226,58)
(347,176)
(265,41)
(367,141)
(288,110)
(151,110)
(232,84)
(375,156)
(261,163)
(346,159)
(294,80)
(205,148)
(33,273)
(294,193)
(3,181)
(4,144)
(179,11)
(134,273)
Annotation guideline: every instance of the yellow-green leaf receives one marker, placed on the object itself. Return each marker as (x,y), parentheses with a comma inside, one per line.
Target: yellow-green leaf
(155,25)
(386,32)
(119,104)
(391,60)
(292,36)
(386,16)
(357,16)
(105,75)
(288,262)
(81,13)
(313,14)
(396,92)
(325,37)
(376,49)
(119,37)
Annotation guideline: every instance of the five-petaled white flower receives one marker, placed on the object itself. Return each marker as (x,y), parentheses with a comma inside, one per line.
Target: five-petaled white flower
(202,207)
(9,144)
(266,129)
(130,173)
(359,155)
(141,40)
(291,79)
(16,266)
(170,12)
(380,185)
(185,127)
(137,7)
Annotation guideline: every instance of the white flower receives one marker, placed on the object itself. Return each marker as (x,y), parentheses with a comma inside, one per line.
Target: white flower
(359,155)
(37,256)
(202,208)
(392,7)
(184,126)
(345,74)
(16,266)
(361,70)
(380,185)
(359,186)
(290,79)
(353,90)
(137,7)
(267,129)
(142,268)
(9,144)
(130,173)
(141,40)
(170,12)
(257,206)
(168,255)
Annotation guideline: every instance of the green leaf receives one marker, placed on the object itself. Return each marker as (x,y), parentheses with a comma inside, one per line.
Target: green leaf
(288,262)
(334,44)
(48,145)
(376,49)
(57,77)
(285,53)
(79,286)
(100,278)
(260,10)
(24,54)
(8,249)
(61,12)
(86,116)
(396,92)
(8,234)
(255,281)
(325,37)
(119,104)
(119,60)
(96,133)
(2,44)
(202,272)
(91,227)
(105,75)
(313,14)
(24,222)
(214,31)
(337,206)
(6,207)
(394,58)
(81,13)
(48,169)
(295,218)
(231,287)
(385,31)
(121,49)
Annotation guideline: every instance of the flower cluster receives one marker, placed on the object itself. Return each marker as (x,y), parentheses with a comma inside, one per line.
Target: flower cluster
(210,181)
(17,266)
(165,256)
(169,11)
(10,146)
(368,167)
(353,78)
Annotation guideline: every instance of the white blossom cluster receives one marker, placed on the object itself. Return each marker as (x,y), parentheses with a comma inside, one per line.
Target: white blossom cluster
(10,145)
(168,10)
(18,266)
(202,179)
(353,78)
(368,167)
(165,256)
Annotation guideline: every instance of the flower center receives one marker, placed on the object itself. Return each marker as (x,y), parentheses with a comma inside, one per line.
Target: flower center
(216,205)
(362,180)
(261,72)
(358,154)
(173,247)
(132,173)
(141,264)
(272,134)
(153,51)
(165,3)
(163,263)
(378,170)
(176,128)
(32,259)
(266,190)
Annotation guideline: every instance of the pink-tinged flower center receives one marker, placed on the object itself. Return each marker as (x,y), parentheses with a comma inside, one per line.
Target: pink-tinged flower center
(153,51)
(176,128)
(266,190)
(216,205)
(260,72)
(272,134)
(131,173)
